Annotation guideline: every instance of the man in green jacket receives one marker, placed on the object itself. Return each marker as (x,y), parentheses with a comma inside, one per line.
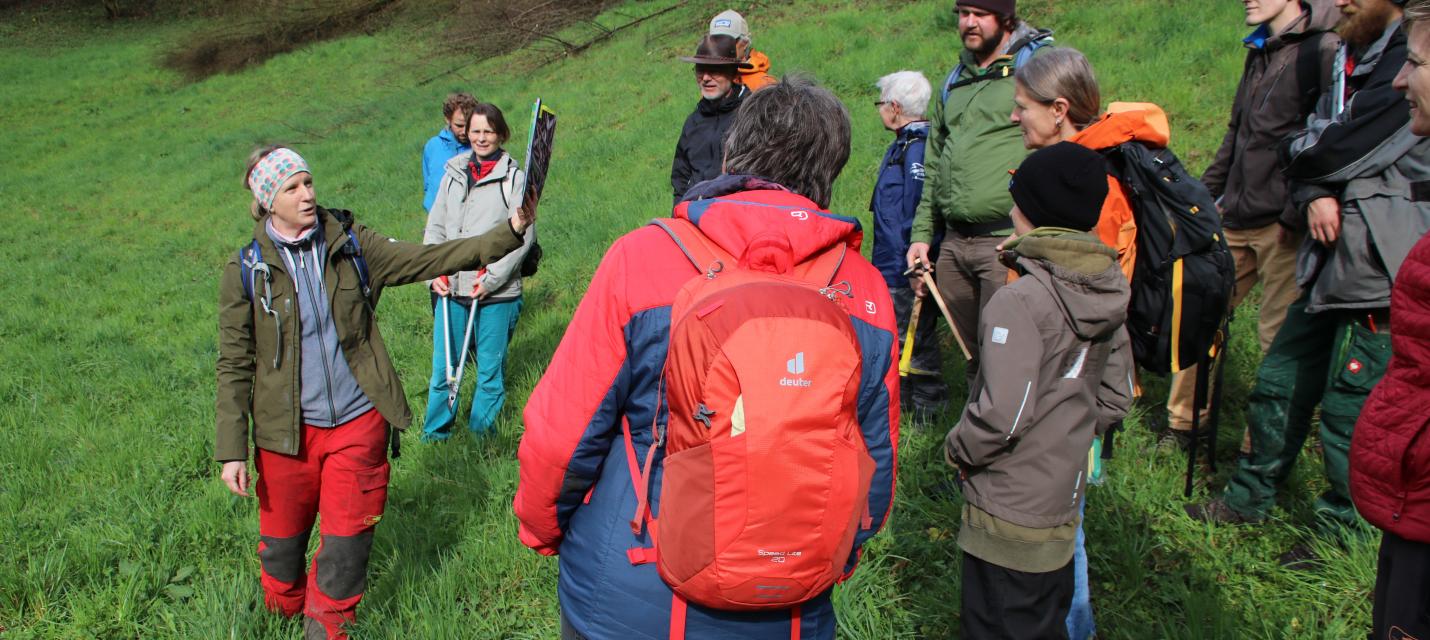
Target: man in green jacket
(972,146)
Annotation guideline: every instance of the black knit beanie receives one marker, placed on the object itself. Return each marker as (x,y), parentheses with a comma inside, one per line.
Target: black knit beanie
(1061,186)
(1003,8)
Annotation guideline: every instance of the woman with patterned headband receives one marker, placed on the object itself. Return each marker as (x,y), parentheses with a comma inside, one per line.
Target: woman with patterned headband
(302,370)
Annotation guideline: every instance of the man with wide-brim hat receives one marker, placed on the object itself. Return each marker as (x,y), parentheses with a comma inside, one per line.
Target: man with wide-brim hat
(698,154)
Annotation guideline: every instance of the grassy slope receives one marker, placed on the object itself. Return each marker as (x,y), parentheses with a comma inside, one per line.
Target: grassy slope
(122,201)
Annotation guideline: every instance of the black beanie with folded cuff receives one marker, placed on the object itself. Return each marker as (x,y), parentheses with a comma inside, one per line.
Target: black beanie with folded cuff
(1063,185)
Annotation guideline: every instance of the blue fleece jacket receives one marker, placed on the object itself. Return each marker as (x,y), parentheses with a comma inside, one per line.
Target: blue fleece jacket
(435,155)
(896,197)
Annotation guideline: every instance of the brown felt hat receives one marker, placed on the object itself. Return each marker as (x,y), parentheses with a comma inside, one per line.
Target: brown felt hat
(716,50)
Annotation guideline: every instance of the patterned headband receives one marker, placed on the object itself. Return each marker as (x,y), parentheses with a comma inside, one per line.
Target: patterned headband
(272,171)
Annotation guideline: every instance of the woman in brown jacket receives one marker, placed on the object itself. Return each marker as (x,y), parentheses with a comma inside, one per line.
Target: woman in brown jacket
(302,370)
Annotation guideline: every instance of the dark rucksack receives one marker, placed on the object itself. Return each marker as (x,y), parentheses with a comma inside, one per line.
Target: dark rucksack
(1184,274)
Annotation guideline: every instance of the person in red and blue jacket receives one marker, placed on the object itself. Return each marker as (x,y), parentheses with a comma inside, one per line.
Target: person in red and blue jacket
(903,96)
(576,495)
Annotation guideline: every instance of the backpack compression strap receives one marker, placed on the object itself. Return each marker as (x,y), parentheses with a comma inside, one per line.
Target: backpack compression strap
(678,610)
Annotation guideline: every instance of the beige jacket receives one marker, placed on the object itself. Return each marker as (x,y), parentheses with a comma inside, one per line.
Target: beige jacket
(465,210)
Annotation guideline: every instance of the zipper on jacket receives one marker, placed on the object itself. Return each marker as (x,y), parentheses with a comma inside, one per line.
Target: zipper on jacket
(322,343)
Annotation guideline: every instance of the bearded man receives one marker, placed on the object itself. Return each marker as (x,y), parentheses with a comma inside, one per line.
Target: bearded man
(972,147)
(1351,170)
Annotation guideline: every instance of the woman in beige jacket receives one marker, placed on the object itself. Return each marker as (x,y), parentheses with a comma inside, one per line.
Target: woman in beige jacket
(476,311)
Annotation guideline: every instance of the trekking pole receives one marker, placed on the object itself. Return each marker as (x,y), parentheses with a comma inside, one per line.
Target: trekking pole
(1199,398)
(1224,343)
(447,350)
(906,358)
(466,340)
(938,299)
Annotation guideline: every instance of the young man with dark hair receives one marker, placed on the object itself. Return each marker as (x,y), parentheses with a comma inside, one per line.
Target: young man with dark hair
(972,145)
(1057,371)
(448,143)
(1289,60)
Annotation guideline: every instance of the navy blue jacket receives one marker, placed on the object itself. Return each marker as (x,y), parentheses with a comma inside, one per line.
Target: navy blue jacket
(896,196)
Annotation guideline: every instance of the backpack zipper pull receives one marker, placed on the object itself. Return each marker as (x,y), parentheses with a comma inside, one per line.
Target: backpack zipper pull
(842,286)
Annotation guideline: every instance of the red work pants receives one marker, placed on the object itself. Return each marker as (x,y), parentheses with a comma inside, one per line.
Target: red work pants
(341,474)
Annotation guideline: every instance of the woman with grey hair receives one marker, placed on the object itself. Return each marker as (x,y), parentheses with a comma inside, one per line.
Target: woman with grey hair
(591,417)
(902,98)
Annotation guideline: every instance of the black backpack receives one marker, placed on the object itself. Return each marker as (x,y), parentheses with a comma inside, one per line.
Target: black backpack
(1183,278)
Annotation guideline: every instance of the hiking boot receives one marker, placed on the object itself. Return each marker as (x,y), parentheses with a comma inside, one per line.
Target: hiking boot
(1299,558)
(922,415)
(1182,439)
(1218,512)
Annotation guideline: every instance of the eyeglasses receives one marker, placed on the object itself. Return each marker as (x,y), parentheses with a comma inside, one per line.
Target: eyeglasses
(880,103)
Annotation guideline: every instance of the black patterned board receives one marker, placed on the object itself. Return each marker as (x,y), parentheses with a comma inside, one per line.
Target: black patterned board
(538,153)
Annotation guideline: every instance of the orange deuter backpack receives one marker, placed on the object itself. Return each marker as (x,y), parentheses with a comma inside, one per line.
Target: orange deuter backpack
(766,475)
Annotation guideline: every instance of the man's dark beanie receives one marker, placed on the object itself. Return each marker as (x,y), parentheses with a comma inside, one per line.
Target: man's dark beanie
(1003,8)
(1061,186)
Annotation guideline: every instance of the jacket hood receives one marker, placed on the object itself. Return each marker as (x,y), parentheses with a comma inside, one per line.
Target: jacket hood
(1127,122)
(1324,16)
(759,64)
(730,102)
(1081,273)
(1317,16)
(766,226)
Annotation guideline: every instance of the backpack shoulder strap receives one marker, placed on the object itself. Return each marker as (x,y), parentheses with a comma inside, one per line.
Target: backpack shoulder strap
(249,260)
(354,249)
(1308,72)
(703,254)
(359,263)
(1024,54)
(952,80)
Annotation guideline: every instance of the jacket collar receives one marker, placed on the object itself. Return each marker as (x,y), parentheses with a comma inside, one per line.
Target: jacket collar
(1370,57)
(457,169)
(913,130)
(725,104)
(333,230)
(1080,272)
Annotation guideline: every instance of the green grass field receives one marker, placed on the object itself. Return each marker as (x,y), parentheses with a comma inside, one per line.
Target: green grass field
(121,196)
